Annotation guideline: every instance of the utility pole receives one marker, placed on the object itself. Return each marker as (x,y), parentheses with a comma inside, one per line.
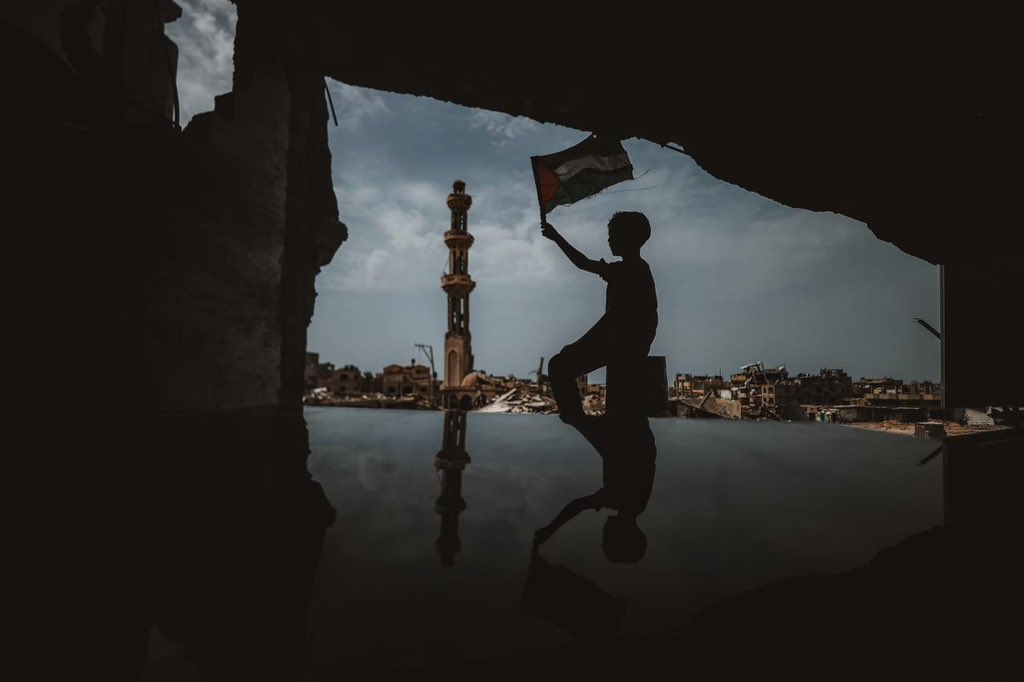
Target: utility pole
(540,376)
(428,351)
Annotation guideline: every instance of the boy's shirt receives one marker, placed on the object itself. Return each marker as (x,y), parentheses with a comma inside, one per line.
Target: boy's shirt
(631,301)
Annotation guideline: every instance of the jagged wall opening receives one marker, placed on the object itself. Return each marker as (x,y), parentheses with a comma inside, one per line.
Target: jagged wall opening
(168,274)
(894,125)
(754,258)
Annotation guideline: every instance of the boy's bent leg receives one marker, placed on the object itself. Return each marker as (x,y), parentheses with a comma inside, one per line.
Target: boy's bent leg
(573,361)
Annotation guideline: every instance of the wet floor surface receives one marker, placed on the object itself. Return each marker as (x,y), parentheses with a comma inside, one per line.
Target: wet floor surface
(405,580)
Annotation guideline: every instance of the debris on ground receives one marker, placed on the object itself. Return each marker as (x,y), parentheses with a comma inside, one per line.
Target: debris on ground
(520,401)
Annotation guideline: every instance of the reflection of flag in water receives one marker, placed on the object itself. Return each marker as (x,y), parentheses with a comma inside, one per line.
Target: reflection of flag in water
(579,172)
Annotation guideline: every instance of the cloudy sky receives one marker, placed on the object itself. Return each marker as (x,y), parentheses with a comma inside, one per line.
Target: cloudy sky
(740,278)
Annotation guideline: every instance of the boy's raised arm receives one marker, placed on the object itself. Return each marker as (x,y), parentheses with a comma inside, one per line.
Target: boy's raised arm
(577,258)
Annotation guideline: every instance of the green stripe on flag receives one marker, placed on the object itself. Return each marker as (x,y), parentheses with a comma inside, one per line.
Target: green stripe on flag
(587,183)
(581,171)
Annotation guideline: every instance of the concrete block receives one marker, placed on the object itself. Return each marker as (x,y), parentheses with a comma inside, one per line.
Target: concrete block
(638,388)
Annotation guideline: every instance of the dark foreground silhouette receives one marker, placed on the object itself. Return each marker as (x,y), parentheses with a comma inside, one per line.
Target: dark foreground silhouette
(225,576)
(622,337)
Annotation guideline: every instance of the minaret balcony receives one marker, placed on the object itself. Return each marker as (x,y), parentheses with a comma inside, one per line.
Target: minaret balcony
(460,201)
(457,238)
(457,284)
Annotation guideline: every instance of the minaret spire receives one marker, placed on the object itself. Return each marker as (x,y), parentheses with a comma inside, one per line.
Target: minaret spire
(458,351)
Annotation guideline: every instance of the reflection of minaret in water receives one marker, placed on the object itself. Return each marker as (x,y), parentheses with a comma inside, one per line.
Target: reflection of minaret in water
(450,461)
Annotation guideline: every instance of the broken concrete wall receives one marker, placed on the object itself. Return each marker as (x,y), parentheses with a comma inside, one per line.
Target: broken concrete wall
(982,332)
(175,267)
(160,284)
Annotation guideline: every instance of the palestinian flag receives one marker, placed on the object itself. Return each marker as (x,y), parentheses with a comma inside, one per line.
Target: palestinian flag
(578,172)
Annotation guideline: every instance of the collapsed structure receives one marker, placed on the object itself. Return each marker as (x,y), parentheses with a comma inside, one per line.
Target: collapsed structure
(757,392)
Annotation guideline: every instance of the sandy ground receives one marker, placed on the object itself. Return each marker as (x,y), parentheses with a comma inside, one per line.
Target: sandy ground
(952,428)
(888,426)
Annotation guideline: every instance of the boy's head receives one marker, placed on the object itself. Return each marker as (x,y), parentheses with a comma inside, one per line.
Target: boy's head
(627,232)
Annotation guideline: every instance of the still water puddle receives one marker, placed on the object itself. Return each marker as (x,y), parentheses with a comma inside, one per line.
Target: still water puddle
(428,564)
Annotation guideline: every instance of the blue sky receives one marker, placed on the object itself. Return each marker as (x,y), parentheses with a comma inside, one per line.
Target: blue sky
(740,278)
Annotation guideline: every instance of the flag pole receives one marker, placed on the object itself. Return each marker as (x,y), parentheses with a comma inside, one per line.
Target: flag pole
(540,199)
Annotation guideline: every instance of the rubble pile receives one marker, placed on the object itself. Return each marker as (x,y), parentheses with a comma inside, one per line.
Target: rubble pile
(593,405)
(325,397)
(721,408)
(525,399)
(789,411)
(520,401)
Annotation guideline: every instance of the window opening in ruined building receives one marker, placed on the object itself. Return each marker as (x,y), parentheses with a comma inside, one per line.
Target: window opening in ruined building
(205,39)
(740,278)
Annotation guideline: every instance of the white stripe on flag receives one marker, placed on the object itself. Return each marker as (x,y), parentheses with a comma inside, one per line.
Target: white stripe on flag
(591,162)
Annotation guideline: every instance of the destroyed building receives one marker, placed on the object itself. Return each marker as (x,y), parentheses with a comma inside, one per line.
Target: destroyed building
(312,372)
(399,380)
(348,379)
(887,389)
(697,384)
(827,387)
(757,389)
(877,385)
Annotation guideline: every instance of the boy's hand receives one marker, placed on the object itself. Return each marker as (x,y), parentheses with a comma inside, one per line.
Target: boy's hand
(549,231)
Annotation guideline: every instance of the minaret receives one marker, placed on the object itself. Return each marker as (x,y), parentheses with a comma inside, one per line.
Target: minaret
(458,352)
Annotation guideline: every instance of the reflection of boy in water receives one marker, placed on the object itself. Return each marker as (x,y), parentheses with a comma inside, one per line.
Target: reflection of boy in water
(625,332)
(628,451)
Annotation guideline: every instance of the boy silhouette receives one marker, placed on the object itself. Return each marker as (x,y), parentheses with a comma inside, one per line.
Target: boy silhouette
(624,334)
